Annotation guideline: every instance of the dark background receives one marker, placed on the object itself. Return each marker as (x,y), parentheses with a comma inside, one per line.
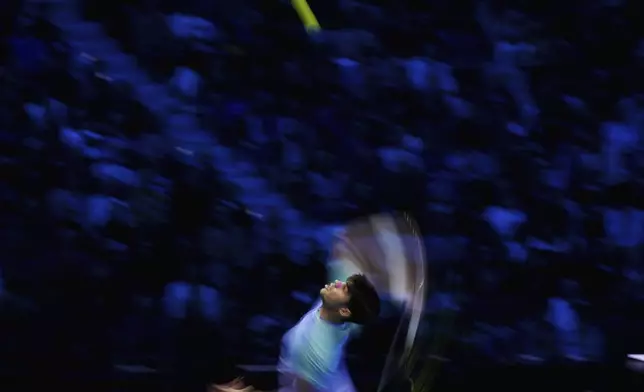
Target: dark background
(169,185)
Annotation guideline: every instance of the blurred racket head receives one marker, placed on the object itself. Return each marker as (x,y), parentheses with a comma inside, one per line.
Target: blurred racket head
(389,249)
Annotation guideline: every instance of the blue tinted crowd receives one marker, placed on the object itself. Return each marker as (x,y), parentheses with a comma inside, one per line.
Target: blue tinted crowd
(174,169)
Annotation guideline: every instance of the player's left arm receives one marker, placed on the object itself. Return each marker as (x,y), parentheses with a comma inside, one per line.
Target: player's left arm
(345,261)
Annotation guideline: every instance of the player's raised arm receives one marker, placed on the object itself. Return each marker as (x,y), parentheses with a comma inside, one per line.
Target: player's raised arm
(386,248)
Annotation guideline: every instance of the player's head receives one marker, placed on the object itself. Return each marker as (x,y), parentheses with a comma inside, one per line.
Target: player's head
(355,301)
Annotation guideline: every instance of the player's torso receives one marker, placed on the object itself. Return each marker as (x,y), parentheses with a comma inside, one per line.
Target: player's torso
(319,342)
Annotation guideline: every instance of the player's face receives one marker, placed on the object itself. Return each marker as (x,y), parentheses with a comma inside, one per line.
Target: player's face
(335,294)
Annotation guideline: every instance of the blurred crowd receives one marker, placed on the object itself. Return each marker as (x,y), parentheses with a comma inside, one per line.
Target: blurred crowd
(512,135)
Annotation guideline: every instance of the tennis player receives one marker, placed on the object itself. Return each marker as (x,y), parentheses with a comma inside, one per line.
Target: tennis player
(364,260)
(312,353)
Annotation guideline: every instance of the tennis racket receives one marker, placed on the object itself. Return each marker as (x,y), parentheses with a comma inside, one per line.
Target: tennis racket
(389,250)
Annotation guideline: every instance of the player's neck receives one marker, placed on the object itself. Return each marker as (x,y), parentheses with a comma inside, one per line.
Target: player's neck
(330,316)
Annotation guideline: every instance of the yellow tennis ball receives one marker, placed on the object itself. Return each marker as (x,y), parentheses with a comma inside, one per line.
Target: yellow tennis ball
(306,15)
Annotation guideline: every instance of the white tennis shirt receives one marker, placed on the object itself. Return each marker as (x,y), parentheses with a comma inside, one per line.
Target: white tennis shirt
(313,350)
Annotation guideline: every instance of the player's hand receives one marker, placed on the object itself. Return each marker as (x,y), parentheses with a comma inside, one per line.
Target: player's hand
(236,385)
